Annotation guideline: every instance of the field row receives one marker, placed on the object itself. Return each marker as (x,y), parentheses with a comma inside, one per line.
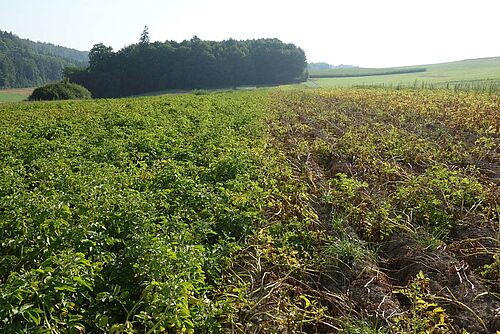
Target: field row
(402,231)
(120,215)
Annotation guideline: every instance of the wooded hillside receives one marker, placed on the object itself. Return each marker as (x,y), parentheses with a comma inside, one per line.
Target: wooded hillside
(24,63)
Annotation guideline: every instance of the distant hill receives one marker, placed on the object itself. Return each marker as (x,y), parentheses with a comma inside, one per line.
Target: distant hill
(481,72)
(60,51)
(24,63)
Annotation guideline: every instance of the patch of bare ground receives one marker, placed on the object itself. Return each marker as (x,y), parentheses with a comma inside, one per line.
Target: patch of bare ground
(460,291)
(476,245)
(19,91)
(371,290)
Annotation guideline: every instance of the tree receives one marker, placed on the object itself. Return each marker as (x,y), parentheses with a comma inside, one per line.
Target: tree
(144,36)
(99,55)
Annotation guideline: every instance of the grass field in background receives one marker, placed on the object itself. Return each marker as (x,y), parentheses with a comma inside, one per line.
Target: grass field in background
(483,72)
(363,72)
(15,94)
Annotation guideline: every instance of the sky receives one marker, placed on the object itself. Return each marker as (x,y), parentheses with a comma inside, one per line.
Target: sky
(366,33)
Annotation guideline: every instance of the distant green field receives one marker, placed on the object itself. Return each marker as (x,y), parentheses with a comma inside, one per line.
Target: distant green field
(362,72)
(11,97)
(473,73)
(15,95)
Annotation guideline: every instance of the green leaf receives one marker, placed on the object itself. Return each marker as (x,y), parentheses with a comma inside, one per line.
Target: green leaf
(65,288)
(33,315)
(103,321)
(66,209)
(82,282)
(25,307)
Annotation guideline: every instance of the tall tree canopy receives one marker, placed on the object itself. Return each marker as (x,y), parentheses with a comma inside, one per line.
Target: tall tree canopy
(144,36)
(191,64)
(24,63)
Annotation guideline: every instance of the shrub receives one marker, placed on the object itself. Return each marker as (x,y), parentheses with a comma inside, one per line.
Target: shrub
(63,90)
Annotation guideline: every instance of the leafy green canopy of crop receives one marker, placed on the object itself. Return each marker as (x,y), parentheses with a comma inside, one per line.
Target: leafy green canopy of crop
(120,214)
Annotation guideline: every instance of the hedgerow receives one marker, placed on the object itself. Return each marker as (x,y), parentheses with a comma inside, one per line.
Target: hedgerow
(63,90)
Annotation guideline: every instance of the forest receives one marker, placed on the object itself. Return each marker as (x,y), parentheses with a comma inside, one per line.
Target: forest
(190,64)
(24,63)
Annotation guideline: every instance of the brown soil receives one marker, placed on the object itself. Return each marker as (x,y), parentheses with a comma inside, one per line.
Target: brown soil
(372,294)
(19,91)
(466,299)
(474,244)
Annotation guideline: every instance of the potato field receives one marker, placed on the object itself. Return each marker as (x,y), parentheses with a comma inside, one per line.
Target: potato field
(267,211)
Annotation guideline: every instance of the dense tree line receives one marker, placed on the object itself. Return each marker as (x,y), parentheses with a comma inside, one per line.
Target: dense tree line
(24,63)
(191,64)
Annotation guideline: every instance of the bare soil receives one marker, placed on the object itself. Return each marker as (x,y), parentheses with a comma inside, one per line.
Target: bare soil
(19,91)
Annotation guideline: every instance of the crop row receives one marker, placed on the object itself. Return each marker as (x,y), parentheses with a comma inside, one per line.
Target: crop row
(402,189)
(119,215)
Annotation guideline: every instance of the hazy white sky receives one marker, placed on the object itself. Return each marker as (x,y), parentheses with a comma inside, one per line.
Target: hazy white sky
(360,32)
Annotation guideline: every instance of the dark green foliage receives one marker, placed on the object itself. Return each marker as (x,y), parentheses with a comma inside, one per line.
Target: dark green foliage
(60,51)
(63,90)
(144,36)
(24,63)
(193,64)
(7,71)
